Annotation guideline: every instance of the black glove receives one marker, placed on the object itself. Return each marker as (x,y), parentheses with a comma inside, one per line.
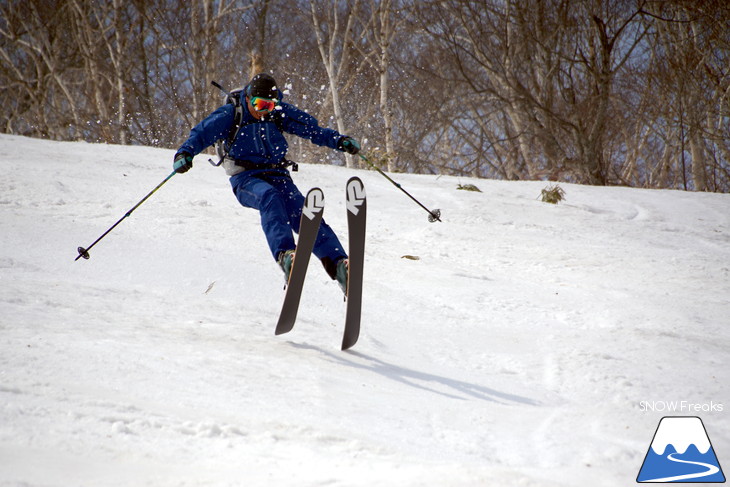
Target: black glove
(349,145)
(183,162)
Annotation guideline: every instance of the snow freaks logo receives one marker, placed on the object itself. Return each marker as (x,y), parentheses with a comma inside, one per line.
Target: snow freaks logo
(680,452)
(681,407)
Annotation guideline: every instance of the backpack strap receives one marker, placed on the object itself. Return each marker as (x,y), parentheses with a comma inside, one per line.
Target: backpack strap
(223,145)
(237,119)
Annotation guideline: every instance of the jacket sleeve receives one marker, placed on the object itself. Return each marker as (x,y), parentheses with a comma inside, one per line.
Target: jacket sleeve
(298,122)
(213,127)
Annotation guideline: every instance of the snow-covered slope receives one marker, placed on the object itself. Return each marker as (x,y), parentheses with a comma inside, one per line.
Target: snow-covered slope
(522,348)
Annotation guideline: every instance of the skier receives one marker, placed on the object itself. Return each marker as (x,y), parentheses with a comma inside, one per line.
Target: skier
(258,170)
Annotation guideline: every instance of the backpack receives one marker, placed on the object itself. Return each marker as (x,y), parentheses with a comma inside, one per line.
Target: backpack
(223,145)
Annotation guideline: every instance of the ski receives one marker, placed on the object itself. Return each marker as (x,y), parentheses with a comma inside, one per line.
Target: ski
(356,215)
(308,230)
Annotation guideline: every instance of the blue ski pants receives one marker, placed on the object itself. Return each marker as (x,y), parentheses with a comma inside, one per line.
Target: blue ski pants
(279,201)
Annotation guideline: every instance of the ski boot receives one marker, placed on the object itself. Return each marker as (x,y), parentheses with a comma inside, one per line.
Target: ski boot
(341,275)
(285,261)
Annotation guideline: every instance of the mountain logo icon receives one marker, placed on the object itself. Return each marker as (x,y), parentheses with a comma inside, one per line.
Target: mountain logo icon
(680,452)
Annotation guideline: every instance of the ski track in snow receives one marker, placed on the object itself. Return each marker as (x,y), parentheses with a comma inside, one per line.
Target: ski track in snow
(515,351)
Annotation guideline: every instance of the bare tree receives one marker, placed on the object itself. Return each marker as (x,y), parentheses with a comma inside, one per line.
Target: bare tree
(384,34)
(100,31)
(691,58)
(334,25)
(206,19)
(38,63)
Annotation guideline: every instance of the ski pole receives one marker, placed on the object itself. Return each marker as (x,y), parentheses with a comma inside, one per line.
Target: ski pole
(433,216)
(84,252)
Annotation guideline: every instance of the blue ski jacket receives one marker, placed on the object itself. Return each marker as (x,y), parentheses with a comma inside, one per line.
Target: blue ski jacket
(259,142)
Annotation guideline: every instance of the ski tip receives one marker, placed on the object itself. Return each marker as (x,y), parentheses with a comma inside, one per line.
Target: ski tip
(348,343)
(283,327)
(313,203)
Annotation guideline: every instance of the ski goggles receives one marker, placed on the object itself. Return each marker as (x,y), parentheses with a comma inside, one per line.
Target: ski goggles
(263,104)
